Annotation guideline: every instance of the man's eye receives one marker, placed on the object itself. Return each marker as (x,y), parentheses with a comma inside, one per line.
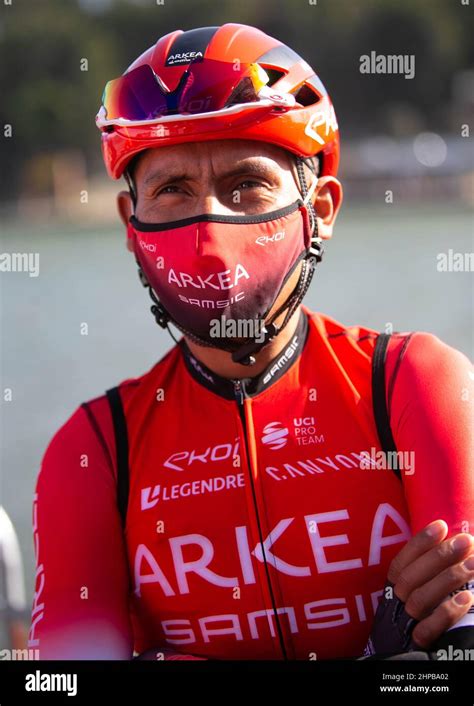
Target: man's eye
(244,185)
(164,190)
(250,182)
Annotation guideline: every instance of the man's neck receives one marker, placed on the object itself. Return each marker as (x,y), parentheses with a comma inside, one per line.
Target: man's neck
(221,363)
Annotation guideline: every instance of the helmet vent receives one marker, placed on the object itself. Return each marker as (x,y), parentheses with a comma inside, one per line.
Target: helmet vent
(306,95)
(274,75)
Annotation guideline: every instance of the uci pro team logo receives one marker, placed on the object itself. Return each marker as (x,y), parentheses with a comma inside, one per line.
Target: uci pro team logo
(275,435)
(304,431)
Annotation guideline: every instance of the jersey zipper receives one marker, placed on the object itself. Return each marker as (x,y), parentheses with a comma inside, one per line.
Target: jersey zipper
(239,393)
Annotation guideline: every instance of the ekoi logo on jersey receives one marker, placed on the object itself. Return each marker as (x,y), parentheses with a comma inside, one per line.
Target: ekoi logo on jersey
(220,452)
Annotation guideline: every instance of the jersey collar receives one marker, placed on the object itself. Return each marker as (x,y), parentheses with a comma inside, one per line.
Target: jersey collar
(253,385)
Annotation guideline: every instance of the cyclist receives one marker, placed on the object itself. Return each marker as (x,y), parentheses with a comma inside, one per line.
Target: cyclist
(235,502)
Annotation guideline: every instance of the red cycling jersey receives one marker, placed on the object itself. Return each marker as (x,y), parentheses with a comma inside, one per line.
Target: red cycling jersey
(261,522)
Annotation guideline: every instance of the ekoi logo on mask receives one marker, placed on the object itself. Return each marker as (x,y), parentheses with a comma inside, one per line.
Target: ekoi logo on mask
(265,239)
(150,247)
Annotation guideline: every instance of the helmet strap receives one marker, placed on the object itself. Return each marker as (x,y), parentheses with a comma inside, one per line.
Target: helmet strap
(305,192)
(131,189)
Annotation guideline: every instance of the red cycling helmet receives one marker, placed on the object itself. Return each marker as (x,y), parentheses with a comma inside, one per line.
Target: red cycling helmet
(217,83)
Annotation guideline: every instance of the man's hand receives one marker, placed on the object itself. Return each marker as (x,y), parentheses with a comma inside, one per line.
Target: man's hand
(425,572)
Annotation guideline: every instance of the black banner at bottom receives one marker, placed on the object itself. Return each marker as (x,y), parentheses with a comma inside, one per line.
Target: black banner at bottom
(23,682)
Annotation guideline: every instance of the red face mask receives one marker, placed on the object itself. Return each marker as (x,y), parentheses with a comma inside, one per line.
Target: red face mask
(209,266)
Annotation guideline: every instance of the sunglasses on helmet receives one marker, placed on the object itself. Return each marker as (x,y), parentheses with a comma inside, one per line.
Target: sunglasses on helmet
(140,96)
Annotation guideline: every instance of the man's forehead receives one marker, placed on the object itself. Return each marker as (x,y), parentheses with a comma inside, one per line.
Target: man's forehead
(221,156)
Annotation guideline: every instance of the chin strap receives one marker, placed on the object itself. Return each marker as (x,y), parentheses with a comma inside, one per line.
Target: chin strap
(245,353)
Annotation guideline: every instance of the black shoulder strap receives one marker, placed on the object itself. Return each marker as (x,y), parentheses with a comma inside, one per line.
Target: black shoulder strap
(121,446)
(379,399)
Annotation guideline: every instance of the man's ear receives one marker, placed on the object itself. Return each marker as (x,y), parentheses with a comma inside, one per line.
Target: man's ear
(327,200)
(125,209)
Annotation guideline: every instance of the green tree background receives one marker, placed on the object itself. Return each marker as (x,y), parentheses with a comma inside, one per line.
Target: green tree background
(51,103)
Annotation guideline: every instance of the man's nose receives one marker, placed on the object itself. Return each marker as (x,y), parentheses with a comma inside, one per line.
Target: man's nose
(207,202)
(205,232)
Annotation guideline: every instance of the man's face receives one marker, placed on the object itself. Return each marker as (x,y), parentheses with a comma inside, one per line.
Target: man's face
(226,177)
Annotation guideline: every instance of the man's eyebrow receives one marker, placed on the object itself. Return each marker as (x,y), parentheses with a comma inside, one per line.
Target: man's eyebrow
(248,166)
(251,166)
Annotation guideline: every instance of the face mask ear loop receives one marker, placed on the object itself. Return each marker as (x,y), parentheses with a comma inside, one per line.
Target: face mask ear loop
(311,190)
(316,248)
